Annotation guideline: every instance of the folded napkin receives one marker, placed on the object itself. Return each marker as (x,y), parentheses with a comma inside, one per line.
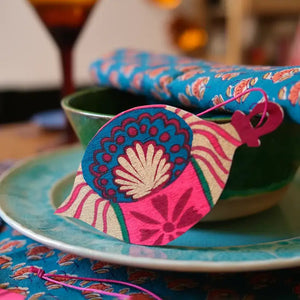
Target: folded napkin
(198,83)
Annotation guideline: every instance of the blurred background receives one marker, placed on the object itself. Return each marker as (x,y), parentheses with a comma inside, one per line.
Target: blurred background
(264,32)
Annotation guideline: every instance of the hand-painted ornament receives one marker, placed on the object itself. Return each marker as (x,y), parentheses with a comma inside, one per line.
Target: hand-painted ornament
(153,172)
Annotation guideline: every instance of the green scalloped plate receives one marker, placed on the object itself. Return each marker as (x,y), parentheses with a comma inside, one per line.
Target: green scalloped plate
(30,192)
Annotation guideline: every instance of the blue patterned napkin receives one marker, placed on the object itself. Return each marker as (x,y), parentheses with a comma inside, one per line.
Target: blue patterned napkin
(197,83)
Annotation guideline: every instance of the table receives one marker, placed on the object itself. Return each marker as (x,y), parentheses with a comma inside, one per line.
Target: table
(20,140)
(18,253)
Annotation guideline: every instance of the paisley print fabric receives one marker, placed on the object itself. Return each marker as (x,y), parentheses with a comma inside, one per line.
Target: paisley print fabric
(18,253)
(199,84)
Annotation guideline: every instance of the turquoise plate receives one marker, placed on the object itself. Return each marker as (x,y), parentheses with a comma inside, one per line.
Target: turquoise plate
(30,192)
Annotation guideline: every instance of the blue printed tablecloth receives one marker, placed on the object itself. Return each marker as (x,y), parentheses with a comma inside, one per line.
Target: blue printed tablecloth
(18,253)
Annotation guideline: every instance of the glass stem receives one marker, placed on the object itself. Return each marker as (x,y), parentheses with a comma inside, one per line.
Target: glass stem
(68,86)
(67,68)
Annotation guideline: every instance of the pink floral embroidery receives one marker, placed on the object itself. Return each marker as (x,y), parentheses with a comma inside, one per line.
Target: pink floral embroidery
(168,224)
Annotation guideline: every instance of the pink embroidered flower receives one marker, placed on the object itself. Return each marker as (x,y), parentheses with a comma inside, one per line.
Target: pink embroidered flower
(167,224)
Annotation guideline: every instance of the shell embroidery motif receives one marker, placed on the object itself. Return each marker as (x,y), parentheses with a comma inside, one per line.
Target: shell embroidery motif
(142,171)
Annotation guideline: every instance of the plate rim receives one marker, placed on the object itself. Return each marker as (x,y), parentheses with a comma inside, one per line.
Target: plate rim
(163,264)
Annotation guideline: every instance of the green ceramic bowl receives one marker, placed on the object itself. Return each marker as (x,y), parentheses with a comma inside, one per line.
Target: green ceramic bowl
(258,179)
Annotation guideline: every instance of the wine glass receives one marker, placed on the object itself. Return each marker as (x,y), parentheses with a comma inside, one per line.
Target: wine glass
(64,20)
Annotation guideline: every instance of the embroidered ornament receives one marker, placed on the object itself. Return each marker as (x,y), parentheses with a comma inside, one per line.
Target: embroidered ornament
(153,172)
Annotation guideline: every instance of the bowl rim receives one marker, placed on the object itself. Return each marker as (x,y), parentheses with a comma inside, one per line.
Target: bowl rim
(65,103)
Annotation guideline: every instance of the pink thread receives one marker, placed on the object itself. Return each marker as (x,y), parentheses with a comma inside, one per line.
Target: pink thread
(212,154)
(238,96)
(211,170)
(82,202)
(41,274)
(72,199)
(104,214)
(213,141)
(97,203)
(220,131)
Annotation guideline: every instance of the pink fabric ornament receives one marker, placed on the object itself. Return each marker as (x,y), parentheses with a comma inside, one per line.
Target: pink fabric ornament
(153,172)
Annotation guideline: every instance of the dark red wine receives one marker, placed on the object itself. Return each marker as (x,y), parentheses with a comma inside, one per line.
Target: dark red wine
(63,18)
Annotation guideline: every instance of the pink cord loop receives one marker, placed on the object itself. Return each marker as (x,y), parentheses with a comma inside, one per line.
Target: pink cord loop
(264,113)
(46,276)
(250,135)
(39,272)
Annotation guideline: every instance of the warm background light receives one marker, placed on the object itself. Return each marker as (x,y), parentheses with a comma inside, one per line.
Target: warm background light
(192,39)
(188,35)
(167,4)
